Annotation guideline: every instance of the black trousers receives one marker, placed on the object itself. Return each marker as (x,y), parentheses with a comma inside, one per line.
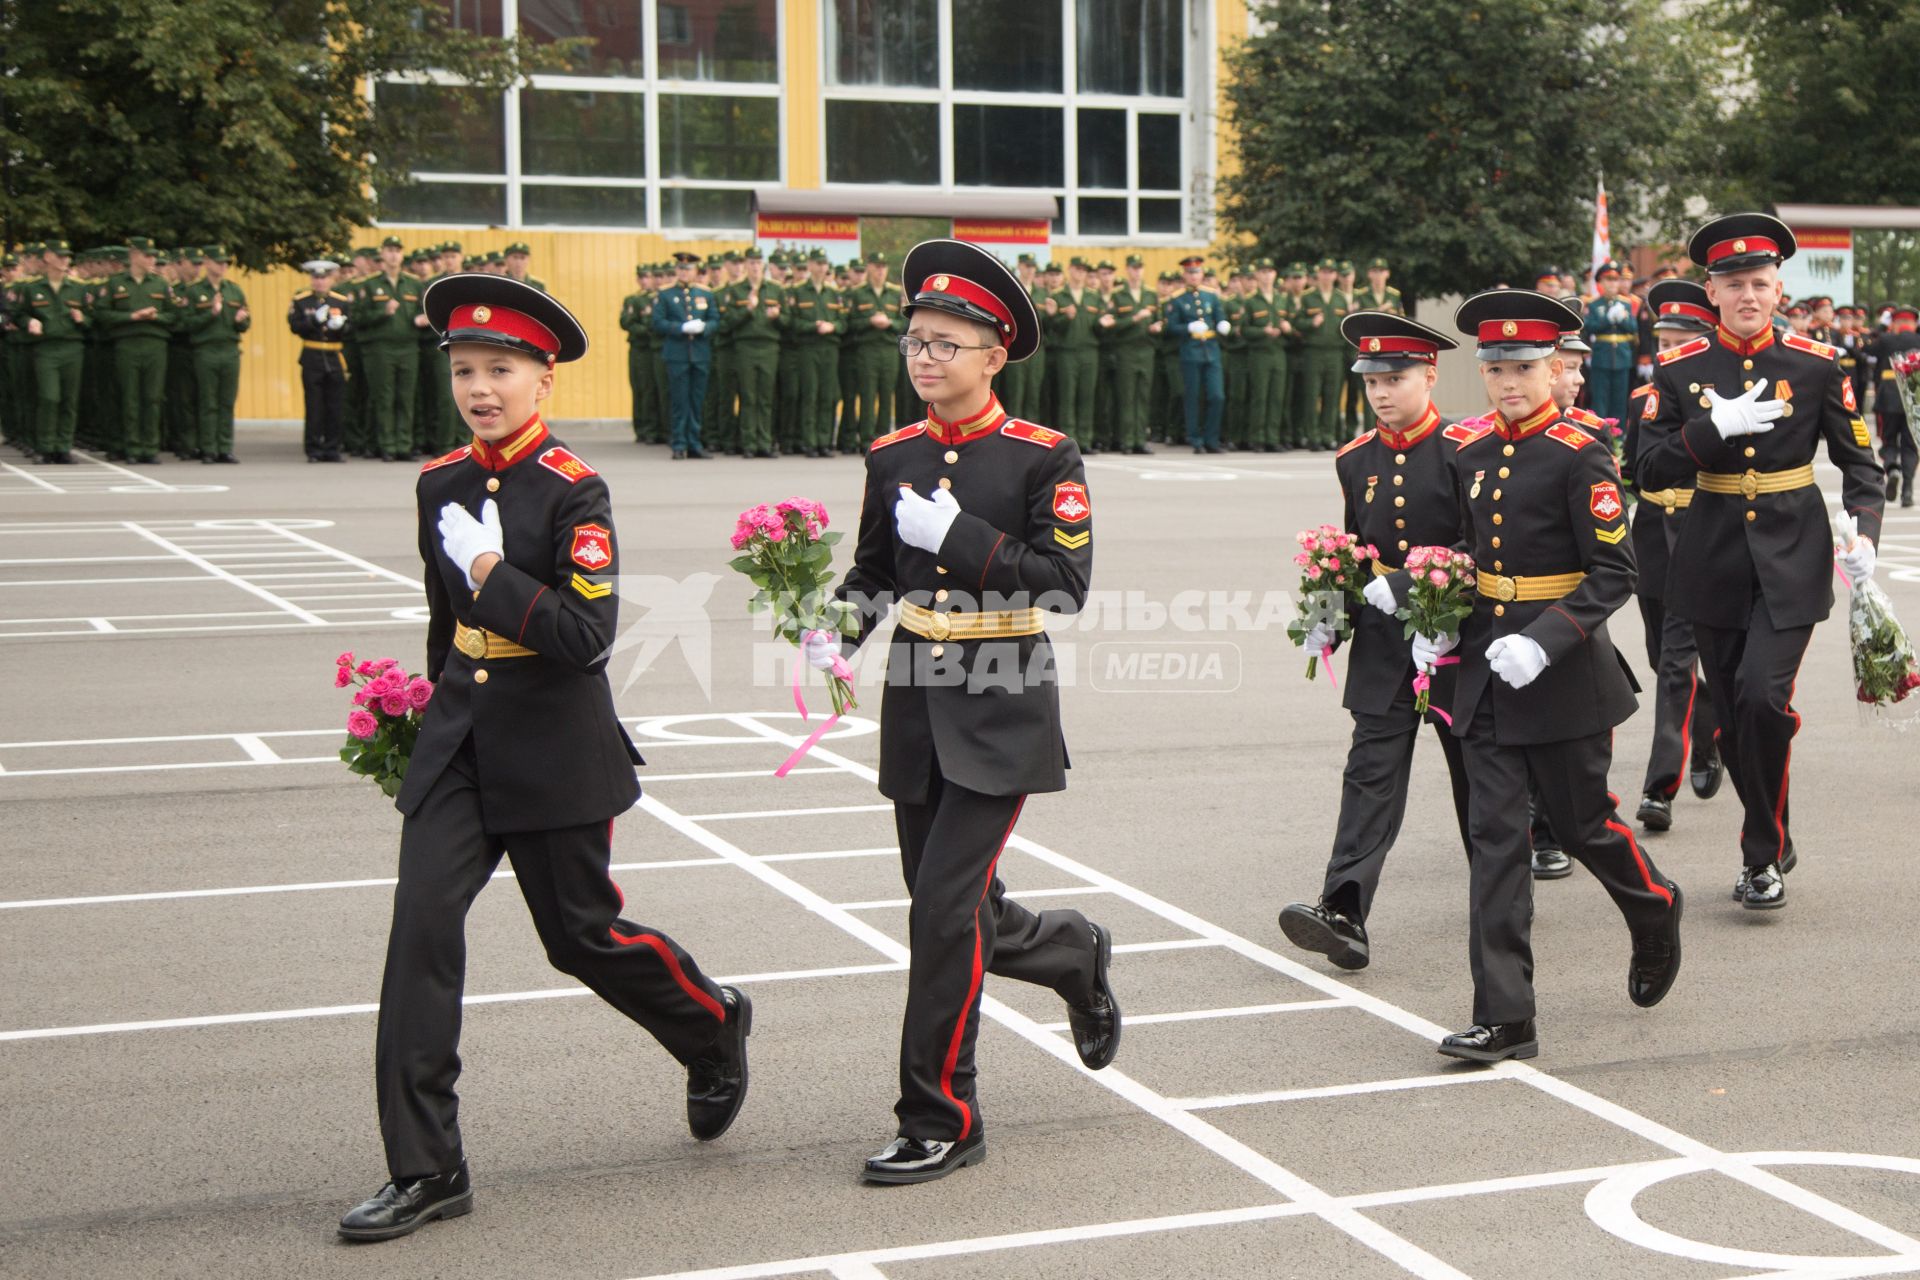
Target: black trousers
(1373,800)
(961,927)
(323,376)
(1752,673)
(1896,447)
(1683,720)
(446,856)
(1571,778)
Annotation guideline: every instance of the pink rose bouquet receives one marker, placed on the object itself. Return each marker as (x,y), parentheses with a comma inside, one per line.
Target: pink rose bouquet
(383,725)
(1334,567)
(788,555)
(1438,601)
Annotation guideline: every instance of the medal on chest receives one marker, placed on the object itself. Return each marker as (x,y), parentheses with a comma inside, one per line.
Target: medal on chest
(1478,476)
(1371,482)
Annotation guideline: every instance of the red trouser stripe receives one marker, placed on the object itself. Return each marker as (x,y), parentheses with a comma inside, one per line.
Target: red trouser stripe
(1639,859)
(661,949)
(973,986)
(1786,767)
(1686,730)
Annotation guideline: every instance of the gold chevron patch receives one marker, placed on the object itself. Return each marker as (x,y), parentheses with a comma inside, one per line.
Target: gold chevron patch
(1860,436)
(591,590)
(1610,535)
(1073,541)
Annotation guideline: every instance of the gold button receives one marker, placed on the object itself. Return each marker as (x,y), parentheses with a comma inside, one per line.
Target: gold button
(1507,449)
(1499,611)
(1504,473)
(1705,403)
(1496,542)
(937,650)
(1399,524)
(941,594)
(1496,495)
(1400,501)
(1399,480)
(480,676)
(953,456)
(1746,364)
(1695,387)
(1747,385)
(1497,518)
(1753,515)
(1749,451)
(939,568)
(945,483)
(1403,544)
(493,484)
(1497,566)
(1400,459)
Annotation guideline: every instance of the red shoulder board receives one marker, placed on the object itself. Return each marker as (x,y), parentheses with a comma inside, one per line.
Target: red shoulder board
(1800,342)
(1353,444)
(1033,433)
(1586,417)
(448,459)
(895,437)
(1639,391)
(560,462)
(1569,435)
(1471,434)
(1685,349)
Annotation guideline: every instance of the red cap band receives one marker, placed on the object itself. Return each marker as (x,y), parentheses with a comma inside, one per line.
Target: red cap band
(1420,348)
(506,322)
(967,291)
(1743,244)
(1692,311)
(1540,333)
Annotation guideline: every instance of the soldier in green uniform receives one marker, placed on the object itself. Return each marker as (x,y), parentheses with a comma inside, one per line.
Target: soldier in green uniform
(515,260)
(1200,319)
(182,415)
(357,430)
(752,315)
(813,317)
(1168,392)
(214,315)
(1233,357)
(1105,433)
(1012,385)
(1263,329)
(636,319)
(1129,311)
(52,312)
(1293,287)
(719,420)
(1075,358)
(1323,351)
(1354,388)
(98,423)
(12,430)
(786,380)
(437,423)
(387,317)
(873,332)
(136,309)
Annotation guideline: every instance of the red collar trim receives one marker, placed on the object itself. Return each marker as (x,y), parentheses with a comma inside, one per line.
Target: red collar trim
(1404,440)
(1537,421)
(517,447)
(1740,347)
(988,419)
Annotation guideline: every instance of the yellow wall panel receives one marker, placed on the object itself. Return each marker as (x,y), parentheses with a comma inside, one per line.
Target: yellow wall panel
(800,103)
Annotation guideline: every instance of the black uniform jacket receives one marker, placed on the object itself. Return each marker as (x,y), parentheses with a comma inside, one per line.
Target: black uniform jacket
(1398,489)
(1884,348)
(1779,542)
(551,752)
(1540,498)
(300,316)
(988,710)
(1655,525)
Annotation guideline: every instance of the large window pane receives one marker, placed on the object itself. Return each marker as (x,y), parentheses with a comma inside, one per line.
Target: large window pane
(694,208)
(1159,217)
(1103,216)
(464,130)
(613,26)
(583,206)
(480,17)
(1007,146)
(1008,45)
(1103,148)
(1160,162)
(446,203)
(586,135)
(883,142)
(883,42)
(718,40)
(1132,46)
(712,136)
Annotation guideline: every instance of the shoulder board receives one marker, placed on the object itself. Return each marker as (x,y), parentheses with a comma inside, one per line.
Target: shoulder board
(448,459)
(304,293)
(1569,435)
(335,293)
(1640,391)
(1033,433)
(1459,434)
(562,463)
(1685,349)
(895,437)
(1586,417)
(1353,444)
(1800,342)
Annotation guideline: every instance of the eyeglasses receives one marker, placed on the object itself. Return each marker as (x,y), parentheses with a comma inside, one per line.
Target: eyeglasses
(940,349)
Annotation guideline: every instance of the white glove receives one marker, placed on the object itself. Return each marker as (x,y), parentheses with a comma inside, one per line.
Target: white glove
(820,648)
(320,314)
(1321,637)
(1517,660)
(465,539)
(1857,555)
(923,523)
(1378,594)
(1744,415)
(693,326)
(1223,327)
(1428,650)
(1196,327)
(336,321)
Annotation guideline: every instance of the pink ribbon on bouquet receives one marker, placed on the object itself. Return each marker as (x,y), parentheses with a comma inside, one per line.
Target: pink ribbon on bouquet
(1423,681)
(1326,659)
(840,669)
(1843,573)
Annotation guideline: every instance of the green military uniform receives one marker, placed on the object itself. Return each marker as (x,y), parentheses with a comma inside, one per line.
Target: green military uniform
(183,396)
(656,343)
(1131,344)
(1323,361)
(636,318)
(357,428)
(756,352)
(1169,391)
(390,350)
(16,422)
(876,359)
(208,313)
(816,361)
(437,423)
(98,425)
(1389,301)
(1233,368)
(59,352)
(1018,385)
(1264,361)
(140,351)
(1074,360)
(719,421)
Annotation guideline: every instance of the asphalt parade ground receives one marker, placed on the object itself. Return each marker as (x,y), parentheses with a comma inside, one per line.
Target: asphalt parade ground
(194,899)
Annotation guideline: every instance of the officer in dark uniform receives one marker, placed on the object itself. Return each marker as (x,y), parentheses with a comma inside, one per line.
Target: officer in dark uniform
(520,753)
(1398,490)
(1199,318)
(1896,428)
(684,315)
(1540,686)
(1684,728)
(979,524)
(318,317)
(1738,415)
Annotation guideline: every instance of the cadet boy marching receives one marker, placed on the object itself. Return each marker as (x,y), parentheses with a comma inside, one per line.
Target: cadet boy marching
(977,522)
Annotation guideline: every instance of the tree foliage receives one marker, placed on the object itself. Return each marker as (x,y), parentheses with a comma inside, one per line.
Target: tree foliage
(243,122)
(1460,139)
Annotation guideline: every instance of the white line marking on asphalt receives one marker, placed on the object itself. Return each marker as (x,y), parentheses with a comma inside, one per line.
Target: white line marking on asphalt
(200,562)
(791,813)
(31,478)
(151,482)
(257,751)
(1340,1090)
(880,904)
(1208,1015)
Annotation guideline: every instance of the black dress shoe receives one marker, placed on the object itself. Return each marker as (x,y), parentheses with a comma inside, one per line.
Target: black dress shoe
(1740,885)
(226,457)
(1656,958)
(924,1159)
(1493,1044)
(1096,1025)
(1333,934)
(698,452)
(717,1079)
(401,1208)
(1706,773)
(1906,499)
(1656,812)
(1766,888)
(679,454)
(63,458)
(1551,864)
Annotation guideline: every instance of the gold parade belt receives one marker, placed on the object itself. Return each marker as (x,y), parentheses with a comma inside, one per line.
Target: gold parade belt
(311,345)
(994,624)
(1671,499)
(1750,482)
(478,643)
(1616,337)
(1381,568)
(1499,587)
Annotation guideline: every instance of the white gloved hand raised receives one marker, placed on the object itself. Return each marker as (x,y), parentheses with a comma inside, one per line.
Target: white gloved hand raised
(1744,415)
(820,649)
(1223,327)
(1321,636)
(1196,327)
(1378,594)
(336,321)
(923,523)
(1857,554)
(1428,650)
(693,326)
(465,539)
(1517,660)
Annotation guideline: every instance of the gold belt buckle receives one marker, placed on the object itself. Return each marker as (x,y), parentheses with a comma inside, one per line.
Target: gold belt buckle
(472,642)
(1749,484)
(937,628)
(1504,588)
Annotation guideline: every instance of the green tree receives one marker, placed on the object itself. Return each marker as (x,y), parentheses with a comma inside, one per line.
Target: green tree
(1460,139)
(243,122)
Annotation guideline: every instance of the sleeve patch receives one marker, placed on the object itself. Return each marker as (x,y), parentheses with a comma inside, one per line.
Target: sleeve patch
(562,463)
(1569,435)
(1033,433)
(1362,438)
(1604,501)
(1684,350)
(1651,409)
(1073,541)
(1611,536)
(1846,396)
(1070,502)
(895,437)
(591,590)
(592,546)
(448,459)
